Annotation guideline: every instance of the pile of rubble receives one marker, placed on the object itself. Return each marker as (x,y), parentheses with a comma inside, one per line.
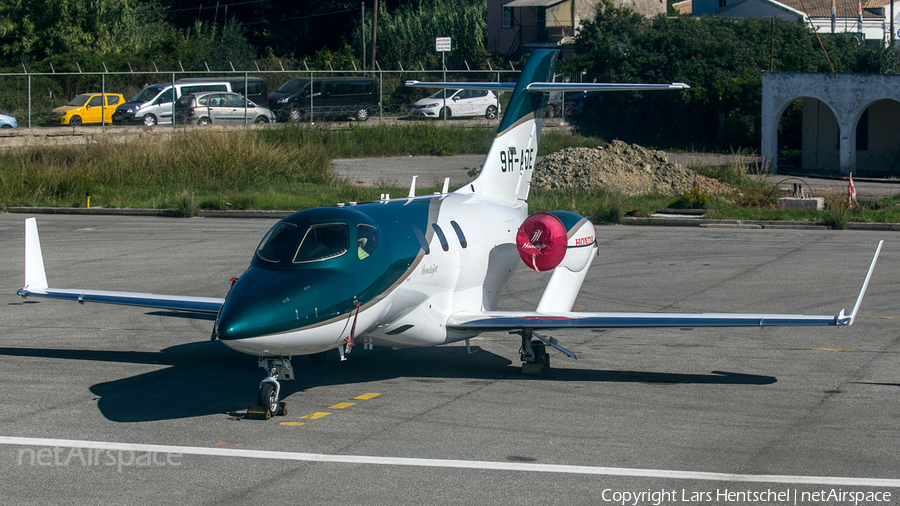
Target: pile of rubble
(625,168)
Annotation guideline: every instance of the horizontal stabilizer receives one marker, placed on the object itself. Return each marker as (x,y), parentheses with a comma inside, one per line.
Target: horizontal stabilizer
(546,87)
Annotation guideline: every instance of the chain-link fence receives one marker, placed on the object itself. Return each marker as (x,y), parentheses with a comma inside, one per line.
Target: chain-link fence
(31,96)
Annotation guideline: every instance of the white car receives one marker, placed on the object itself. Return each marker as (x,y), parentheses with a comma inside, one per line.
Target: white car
(459,103)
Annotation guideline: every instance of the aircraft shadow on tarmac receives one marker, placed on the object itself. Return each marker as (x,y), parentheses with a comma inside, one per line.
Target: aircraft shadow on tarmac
(206,378)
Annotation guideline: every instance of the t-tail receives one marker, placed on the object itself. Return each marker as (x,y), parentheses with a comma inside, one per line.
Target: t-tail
(506,173)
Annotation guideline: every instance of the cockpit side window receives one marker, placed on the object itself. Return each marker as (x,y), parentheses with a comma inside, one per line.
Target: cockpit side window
(274,244)
(322,242)
(367,240)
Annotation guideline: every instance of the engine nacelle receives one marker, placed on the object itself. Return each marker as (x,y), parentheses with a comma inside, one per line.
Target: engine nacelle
(548,240)
(564,242)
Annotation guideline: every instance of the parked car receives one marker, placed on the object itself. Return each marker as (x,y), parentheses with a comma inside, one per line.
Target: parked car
(219,108)
(87,108)
(8,121)
(332,97)
(154,104)
(459,103)
(257,89)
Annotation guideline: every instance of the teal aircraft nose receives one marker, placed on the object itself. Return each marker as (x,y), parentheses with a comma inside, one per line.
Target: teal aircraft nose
(250,315)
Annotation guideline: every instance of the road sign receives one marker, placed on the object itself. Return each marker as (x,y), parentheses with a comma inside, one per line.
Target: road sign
(442,44)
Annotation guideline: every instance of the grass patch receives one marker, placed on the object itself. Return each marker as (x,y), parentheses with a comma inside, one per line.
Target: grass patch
(288,169)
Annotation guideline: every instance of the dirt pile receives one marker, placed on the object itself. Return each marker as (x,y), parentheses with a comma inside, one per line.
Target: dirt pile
(626,168)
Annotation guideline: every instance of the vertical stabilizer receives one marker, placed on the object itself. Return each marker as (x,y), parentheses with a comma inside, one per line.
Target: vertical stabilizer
(35,277)
(506,173)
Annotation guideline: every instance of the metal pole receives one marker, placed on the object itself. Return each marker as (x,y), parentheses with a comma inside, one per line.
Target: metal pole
(103,100)
(246,94)
(311,90)
(29,101)
(362,17)
(444,110)
(173,100)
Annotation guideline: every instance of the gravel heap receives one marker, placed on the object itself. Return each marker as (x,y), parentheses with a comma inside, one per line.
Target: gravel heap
(626,168)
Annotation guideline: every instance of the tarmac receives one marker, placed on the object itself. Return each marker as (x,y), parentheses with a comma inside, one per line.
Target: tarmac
(124,405)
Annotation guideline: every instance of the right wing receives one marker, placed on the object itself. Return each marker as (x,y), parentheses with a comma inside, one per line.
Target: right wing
(36,286)
(493,321)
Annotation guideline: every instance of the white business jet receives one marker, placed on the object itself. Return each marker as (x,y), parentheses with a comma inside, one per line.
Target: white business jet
(425,270)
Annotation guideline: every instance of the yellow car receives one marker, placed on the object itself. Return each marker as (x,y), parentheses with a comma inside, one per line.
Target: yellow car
(86,109)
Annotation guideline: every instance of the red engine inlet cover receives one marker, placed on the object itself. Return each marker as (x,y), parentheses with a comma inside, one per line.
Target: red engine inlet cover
(541,241)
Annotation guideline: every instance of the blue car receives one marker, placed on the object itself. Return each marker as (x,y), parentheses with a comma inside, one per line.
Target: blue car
(8,122)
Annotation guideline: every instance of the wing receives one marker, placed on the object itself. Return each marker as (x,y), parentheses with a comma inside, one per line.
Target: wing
(36,286)
(529,321)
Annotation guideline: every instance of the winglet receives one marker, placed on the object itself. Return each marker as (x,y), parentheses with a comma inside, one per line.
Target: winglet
(844,320)
(35,276)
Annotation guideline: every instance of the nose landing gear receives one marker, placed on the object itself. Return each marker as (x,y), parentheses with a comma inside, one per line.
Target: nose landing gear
(268,404)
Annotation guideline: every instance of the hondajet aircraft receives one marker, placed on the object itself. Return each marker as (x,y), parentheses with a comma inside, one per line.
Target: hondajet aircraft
(425,270)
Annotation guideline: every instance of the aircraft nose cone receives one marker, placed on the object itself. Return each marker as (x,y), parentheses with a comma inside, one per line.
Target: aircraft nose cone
(250,315)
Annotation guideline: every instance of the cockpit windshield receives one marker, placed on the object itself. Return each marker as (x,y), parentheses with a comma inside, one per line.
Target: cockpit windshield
(322,242)
(274,244)
(292,243)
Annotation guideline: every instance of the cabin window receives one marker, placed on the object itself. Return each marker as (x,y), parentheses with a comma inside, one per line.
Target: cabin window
(459,233)
(322,242)
(441,236)
(422,242)
(366,240)
(274,244)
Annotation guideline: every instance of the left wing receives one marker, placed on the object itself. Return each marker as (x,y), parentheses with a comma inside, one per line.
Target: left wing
(489,321)
(36,286)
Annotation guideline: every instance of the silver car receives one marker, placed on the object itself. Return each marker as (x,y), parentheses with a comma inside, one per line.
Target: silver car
(219,108)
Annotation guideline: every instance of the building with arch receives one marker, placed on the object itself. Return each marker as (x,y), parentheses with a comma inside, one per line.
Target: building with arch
(851,122)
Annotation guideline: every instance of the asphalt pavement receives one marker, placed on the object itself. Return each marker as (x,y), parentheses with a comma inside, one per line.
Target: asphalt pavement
(672,416)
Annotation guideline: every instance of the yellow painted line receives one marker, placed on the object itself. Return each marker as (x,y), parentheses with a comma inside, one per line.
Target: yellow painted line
(315,416)
(832,350)
(365,397)
(292,423)
(342,405)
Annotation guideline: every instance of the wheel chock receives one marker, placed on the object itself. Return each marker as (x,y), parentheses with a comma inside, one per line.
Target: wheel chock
(282,409)
(532,368)
(258,413)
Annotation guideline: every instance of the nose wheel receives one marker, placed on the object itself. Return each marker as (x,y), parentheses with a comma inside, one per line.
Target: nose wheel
(268,404)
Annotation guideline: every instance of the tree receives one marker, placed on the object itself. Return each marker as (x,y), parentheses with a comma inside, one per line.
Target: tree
(722,59)
(35,29)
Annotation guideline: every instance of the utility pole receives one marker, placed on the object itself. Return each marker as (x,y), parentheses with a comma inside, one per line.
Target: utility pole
(362,18)
(374,34)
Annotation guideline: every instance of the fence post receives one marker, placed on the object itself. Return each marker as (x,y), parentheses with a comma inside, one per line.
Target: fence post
(29,100)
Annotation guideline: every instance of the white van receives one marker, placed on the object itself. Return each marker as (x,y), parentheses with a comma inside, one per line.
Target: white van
(154,105)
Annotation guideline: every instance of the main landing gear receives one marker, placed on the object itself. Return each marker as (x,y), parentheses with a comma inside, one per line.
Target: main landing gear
(534,352)
(268,404)
(534,355)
